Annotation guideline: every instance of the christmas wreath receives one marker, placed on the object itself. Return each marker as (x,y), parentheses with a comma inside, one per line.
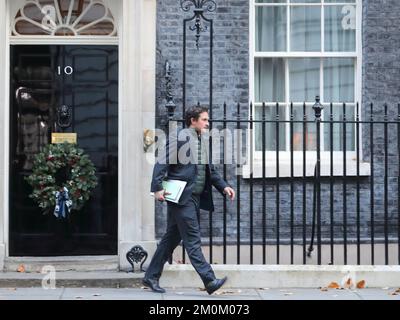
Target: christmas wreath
(62,179)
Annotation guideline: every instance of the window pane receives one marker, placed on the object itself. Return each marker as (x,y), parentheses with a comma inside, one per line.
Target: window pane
(341,1)
(309,128)
(338,128)
(270,1)
(305,1)
(305,29)
(340,28)
(269,82)
(339,82)
(270,28)
(304,79)
(270,128)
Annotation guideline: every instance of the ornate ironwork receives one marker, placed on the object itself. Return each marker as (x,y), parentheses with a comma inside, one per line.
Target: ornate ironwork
(64,116)
(318,107)
(136,255)
(199,28)
(210,5)
(199,7)
(170,105)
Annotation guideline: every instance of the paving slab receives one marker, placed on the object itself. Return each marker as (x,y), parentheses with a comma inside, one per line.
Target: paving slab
(195,294)
(379,294)
(222,294)
(307,294)
(109,294)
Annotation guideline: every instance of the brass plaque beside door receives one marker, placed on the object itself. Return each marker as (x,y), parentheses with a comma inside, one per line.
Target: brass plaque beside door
(57,138)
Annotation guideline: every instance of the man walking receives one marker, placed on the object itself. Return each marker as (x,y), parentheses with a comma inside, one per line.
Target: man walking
(183,223)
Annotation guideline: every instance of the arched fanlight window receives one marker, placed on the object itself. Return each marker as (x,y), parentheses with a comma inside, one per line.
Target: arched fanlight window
(64,18)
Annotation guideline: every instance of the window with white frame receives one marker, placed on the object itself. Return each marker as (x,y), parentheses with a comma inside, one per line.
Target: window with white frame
(301,49)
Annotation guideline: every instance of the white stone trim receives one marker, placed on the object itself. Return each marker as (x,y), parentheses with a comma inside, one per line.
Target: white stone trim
(86,40)
(4,133)
(137,70)
(285,276)
(325,169)
(137,112)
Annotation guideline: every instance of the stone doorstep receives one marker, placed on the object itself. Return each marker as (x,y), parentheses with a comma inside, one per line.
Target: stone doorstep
(73,279)
(243,276)
(62,264)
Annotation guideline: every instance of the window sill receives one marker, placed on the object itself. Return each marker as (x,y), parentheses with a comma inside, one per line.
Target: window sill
(285,170)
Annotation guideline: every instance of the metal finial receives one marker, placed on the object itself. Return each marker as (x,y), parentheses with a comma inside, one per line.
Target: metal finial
(318,107)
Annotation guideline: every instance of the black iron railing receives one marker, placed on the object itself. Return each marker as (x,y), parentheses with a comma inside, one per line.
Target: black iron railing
(351,217)
(331,181)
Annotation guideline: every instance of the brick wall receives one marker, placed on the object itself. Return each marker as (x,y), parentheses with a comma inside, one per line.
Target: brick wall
(381,81)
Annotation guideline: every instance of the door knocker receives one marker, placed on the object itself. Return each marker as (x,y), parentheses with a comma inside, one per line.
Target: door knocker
(64,116)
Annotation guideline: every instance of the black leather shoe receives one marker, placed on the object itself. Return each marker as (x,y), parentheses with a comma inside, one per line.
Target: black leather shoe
(215,285)
(153,285)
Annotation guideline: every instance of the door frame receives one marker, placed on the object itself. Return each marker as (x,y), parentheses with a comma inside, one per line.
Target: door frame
(136,111)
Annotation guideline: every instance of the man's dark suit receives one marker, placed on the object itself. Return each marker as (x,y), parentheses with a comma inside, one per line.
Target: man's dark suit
(183,217)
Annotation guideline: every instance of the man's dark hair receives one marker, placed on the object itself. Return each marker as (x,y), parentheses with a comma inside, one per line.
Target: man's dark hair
(194,112)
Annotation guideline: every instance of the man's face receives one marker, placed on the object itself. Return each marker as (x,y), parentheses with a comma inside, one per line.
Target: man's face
(202,123)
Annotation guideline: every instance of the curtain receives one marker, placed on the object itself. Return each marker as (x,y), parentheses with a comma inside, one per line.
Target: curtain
(340,33)
(270,28)
(269,82)
(305,28)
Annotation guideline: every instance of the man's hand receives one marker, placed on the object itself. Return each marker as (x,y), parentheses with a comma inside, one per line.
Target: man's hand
(230,192)
(160,195)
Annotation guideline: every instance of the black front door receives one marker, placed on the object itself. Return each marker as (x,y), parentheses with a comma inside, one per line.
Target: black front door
(84,78)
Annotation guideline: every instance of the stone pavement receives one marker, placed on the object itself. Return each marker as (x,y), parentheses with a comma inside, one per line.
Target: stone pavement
(196,294)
